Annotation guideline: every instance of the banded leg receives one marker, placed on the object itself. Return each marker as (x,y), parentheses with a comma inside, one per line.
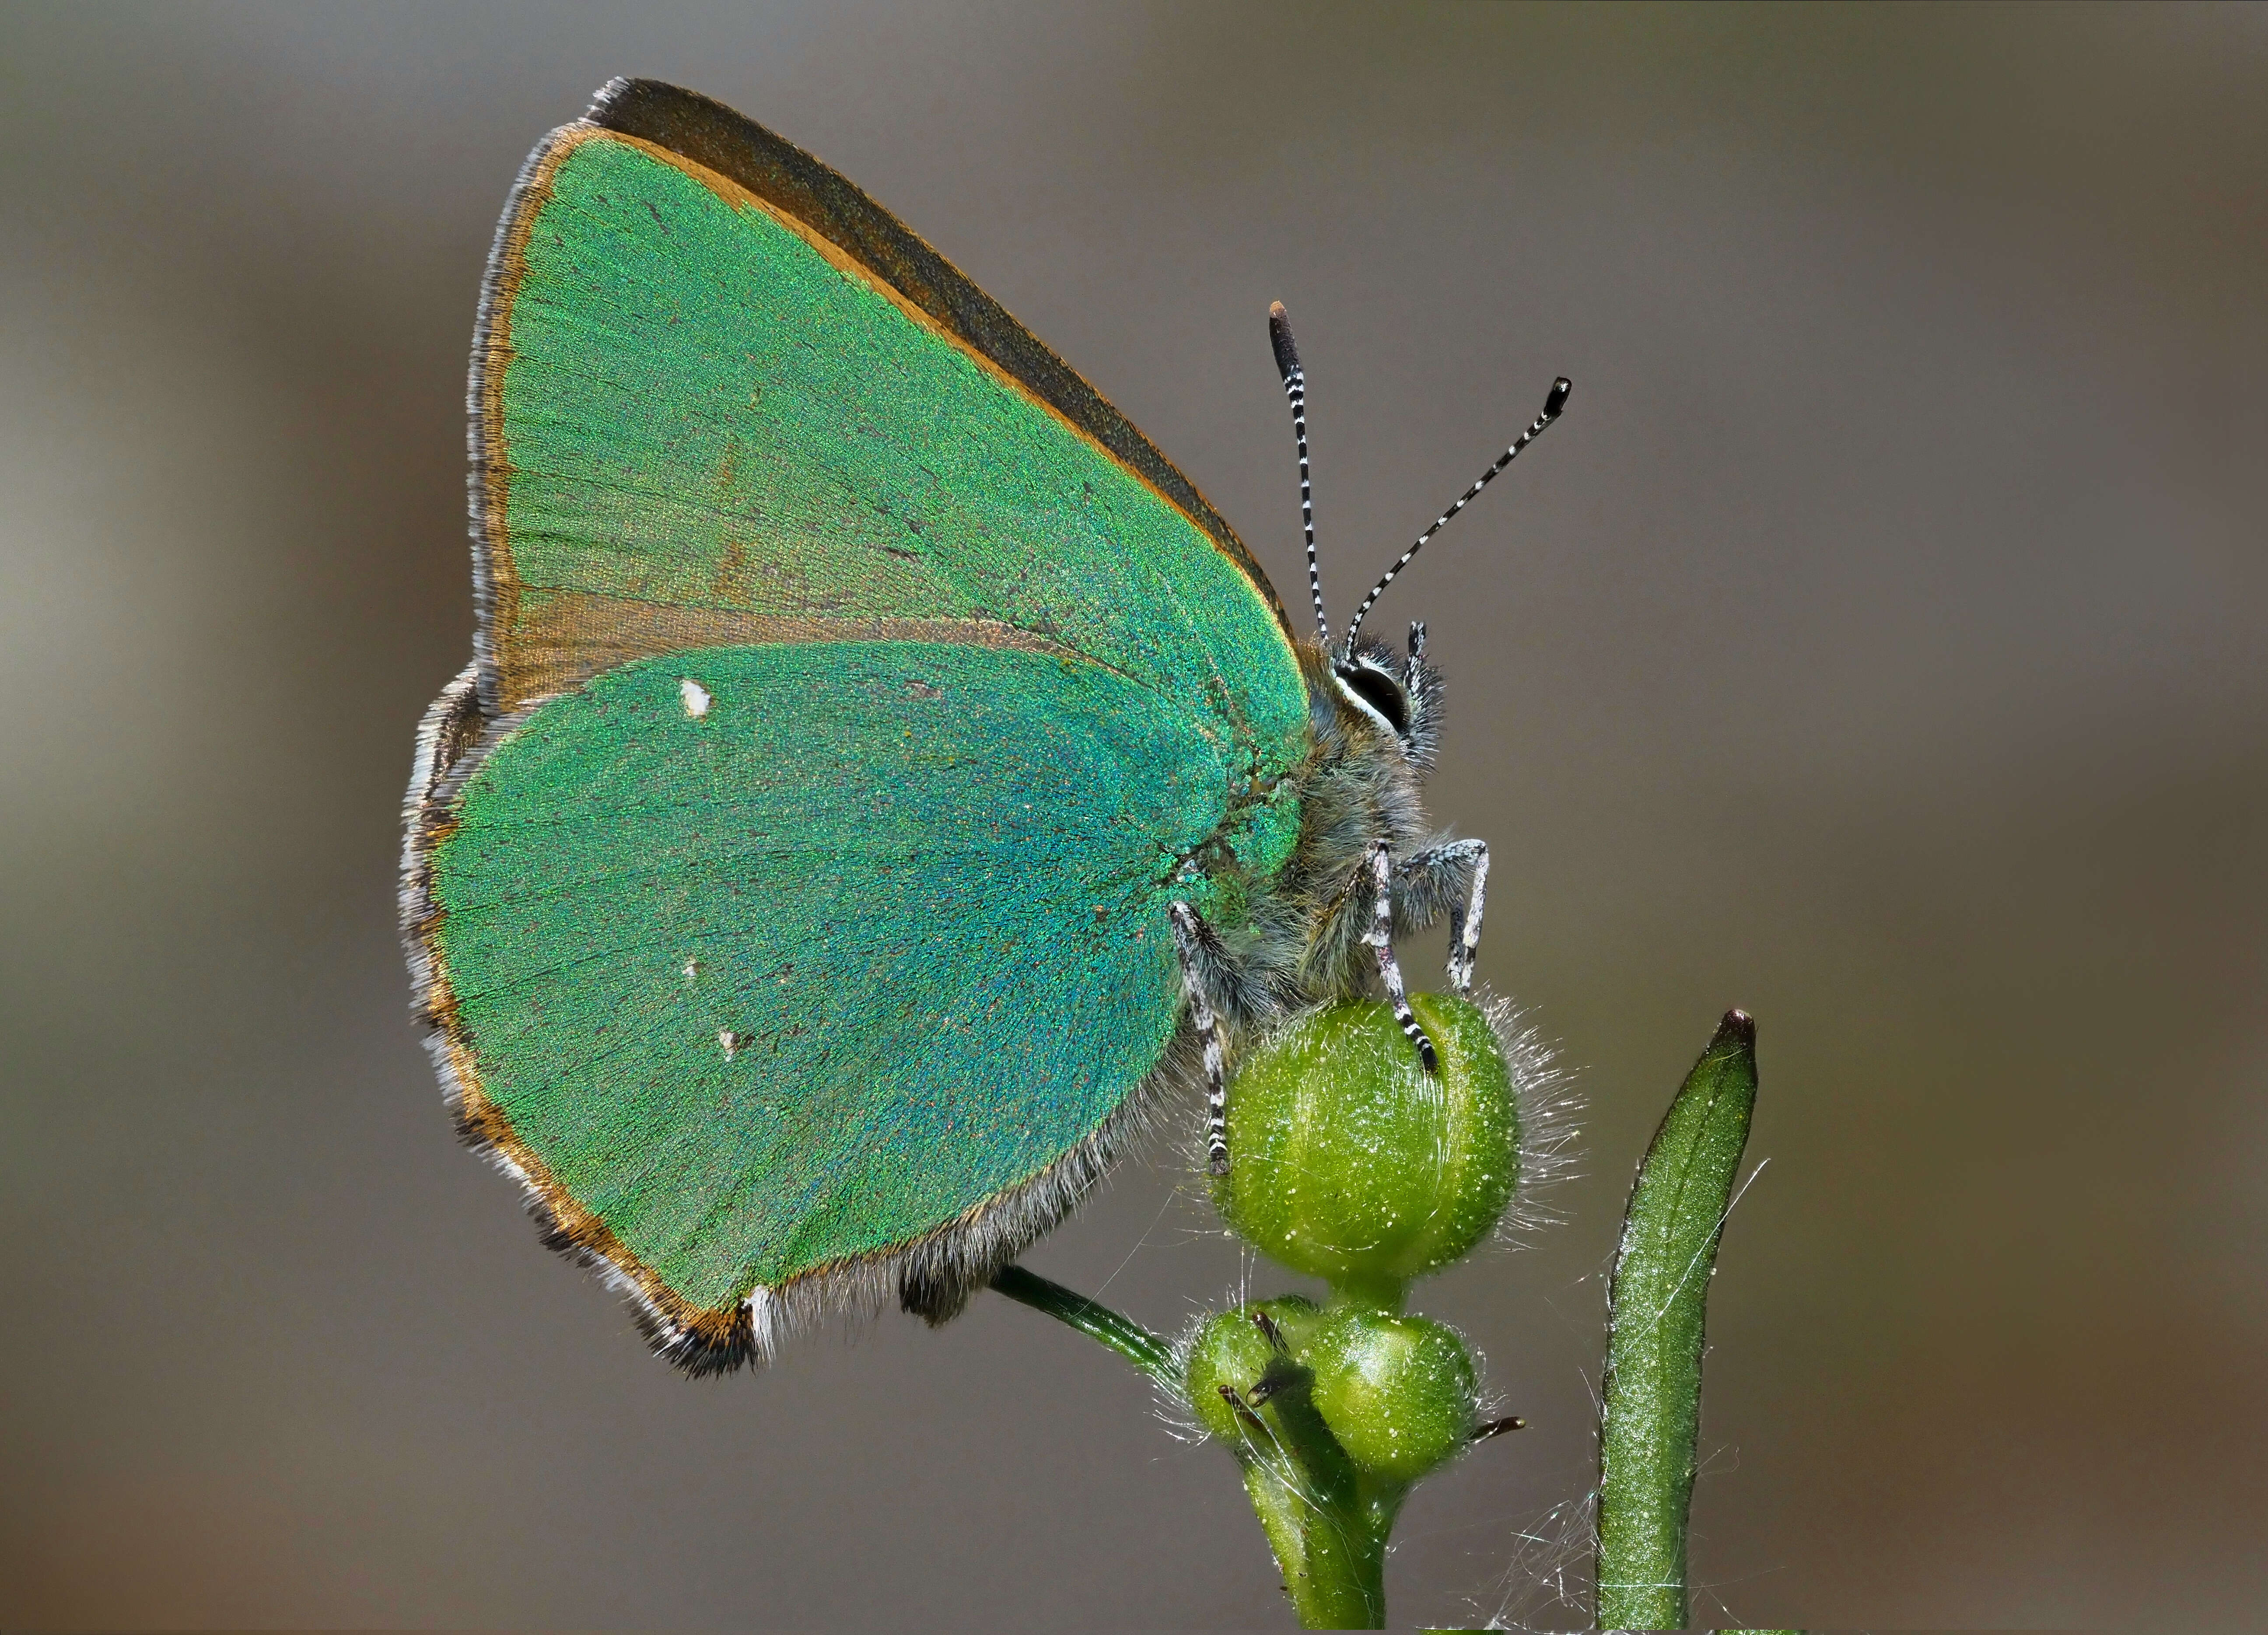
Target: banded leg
(1455,877)
(1381,944)
(1186,942)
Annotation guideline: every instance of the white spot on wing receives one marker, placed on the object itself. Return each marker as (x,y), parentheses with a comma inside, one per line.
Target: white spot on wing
(731,1041)
(692,969)
(696,696)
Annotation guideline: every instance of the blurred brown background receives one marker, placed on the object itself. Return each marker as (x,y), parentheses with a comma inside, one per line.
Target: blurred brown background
(1877,644)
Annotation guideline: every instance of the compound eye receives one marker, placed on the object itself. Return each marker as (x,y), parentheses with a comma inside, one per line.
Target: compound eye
(1381,692)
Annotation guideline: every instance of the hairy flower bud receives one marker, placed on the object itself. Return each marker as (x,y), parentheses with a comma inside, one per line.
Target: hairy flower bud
(1237,1349)
(1397,1392)
(1350,1162)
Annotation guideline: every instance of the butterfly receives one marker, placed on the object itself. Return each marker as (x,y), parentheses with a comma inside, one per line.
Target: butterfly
(882,782)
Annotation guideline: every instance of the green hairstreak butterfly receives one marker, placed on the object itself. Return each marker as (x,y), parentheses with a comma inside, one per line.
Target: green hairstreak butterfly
(882,781)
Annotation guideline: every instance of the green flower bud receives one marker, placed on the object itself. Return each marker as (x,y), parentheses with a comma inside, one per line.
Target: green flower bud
(1233,1349)
(1348,1161)
(1397,1392)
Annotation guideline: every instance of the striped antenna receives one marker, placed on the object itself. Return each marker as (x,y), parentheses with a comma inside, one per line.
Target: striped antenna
(1295,387)
(1553,403)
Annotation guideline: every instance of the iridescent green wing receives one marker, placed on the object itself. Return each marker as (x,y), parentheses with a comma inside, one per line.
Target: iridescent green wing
(782,971)
(720,396)
(853,687)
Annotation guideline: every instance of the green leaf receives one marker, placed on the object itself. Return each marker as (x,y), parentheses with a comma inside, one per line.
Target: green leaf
(1657,1310)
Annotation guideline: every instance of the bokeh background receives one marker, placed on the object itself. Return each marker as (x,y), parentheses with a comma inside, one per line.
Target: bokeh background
(1877,644)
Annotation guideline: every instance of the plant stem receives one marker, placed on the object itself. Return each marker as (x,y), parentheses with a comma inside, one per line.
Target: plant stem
(1656,1315)
(1326,1523)
(1146,1350)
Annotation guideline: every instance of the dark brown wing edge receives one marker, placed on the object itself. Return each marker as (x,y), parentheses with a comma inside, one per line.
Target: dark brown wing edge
(839,210)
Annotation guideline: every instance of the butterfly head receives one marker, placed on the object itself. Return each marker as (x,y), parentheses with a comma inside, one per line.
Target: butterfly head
(1400,695)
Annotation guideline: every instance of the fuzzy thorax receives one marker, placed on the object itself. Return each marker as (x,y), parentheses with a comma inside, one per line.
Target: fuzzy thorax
(1300,942)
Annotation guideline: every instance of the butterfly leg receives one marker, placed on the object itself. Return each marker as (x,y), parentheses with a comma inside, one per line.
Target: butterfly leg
(1454,876)
(1381,939)
(1189,942)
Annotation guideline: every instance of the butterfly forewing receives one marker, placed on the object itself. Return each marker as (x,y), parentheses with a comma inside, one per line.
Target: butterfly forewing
(696,415)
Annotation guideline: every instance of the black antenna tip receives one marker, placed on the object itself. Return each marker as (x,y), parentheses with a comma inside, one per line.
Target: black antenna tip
(1557,399)
(1280,336)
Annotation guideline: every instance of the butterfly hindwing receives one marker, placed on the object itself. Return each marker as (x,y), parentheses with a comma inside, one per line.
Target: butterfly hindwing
(870,940)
